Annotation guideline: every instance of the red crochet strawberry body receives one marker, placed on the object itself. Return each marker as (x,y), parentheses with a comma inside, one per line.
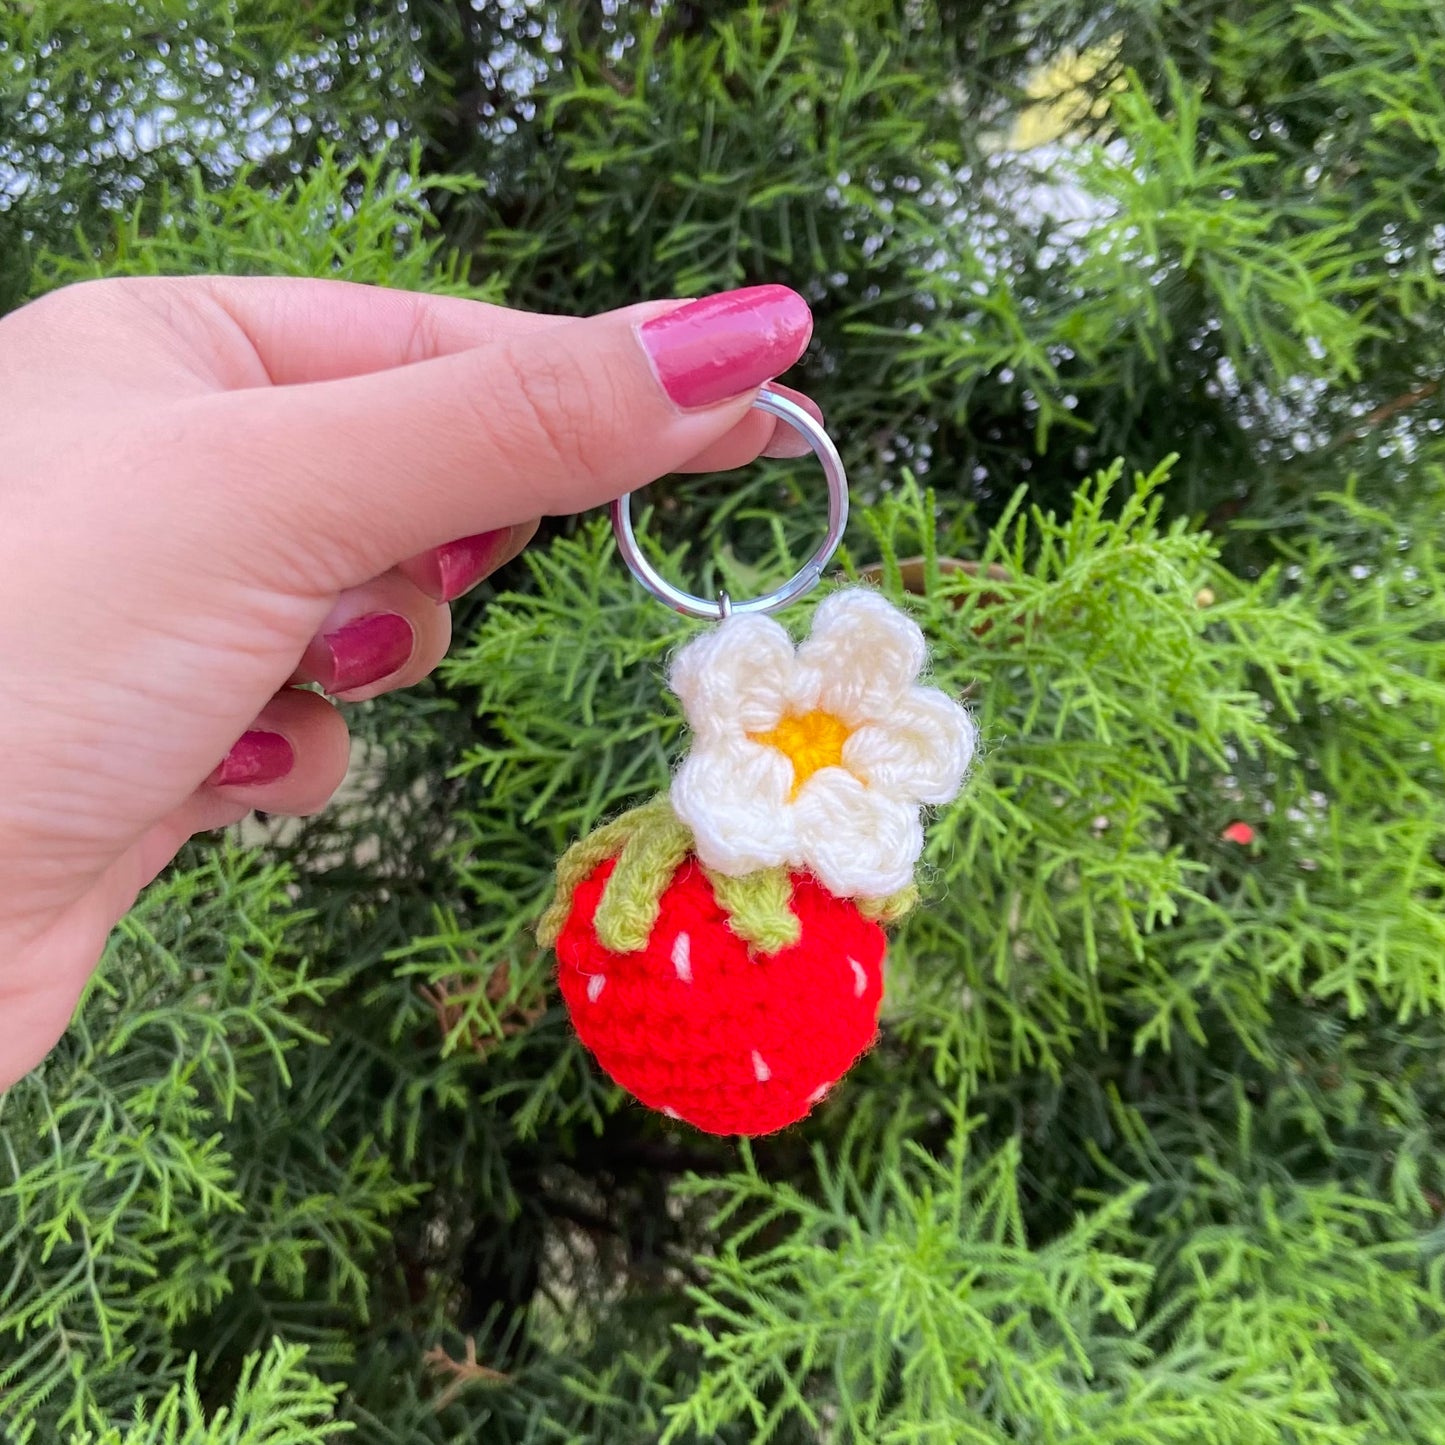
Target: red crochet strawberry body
(696,1025)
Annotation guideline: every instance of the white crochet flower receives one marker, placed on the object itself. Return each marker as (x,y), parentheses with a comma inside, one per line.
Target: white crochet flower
(819,758)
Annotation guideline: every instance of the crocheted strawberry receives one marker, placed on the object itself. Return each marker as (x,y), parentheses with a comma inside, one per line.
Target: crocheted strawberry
(720,949)
(699,1024)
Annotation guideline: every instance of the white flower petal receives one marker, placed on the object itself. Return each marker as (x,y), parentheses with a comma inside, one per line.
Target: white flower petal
(735,678)
(857,842)
(733,794)
(863,653)
(919,752)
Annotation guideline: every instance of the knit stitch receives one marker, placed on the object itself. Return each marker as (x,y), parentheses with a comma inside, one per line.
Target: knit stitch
(809,741)
(720,949)
(645,867)
(650,843)
(701,1026)
(759,907)
(817,758)
(585,854)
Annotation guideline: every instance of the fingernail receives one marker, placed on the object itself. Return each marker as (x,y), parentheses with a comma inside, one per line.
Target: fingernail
(257,757)
(460,565)
(787,440)
(366,650)
(722,346)
(787,443)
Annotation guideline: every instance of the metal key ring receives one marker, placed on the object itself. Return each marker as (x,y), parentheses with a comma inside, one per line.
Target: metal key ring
(801,582)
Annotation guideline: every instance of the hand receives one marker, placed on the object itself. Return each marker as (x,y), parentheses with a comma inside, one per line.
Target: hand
(213,489)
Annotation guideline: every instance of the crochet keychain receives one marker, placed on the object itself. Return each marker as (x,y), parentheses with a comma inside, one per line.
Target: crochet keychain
(720,949)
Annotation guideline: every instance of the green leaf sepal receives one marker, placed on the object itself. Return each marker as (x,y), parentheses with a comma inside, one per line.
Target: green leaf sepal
(650,843)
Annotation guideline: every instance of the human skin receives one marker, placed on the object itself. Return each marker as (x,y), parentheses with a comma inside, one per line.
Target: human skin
(214,489)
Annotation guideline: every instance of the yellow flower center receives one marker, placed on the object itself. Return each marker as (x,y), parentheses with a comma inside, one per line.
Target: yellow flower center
(809,741)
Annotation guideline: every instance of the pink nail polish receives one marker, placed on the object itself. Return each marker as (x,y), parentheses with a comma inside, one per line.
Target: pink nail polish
(723,346)
(257,757)
(367,649)
(462,564)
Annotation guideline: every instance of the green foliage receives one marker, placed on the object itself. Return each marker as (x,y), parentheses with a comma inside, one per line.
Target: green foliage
(148,1175)
(101,102)
(1139,310)
(367,220)
(276,1403)
(914,1299)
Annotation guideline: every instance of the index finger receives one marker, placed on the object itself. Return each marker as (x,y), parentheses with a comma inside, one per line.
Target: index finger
(305,330)
(360,473)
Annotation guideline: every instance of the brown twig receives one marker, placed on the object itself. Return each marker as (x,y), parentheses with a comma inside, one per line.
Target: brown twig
(449,997)
(461,1372)
(1384,412)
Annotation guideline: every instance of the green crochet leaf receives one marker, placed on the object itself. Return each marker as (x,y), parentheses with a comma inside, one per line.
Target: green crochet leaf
(650,844)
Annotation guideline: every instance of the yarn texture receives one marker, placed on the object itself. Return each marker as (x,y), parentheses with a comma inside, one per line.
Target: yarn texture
(704,1028)
(817,758)
(720,949)
(649,844)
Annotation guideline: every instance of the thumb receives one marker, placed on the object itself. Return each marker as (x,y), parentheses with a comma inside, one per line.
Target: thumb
(366,471)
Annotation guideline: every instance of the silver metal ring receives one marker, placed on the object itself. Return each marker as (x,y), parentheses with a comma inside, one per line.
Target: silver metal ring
(801,582)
